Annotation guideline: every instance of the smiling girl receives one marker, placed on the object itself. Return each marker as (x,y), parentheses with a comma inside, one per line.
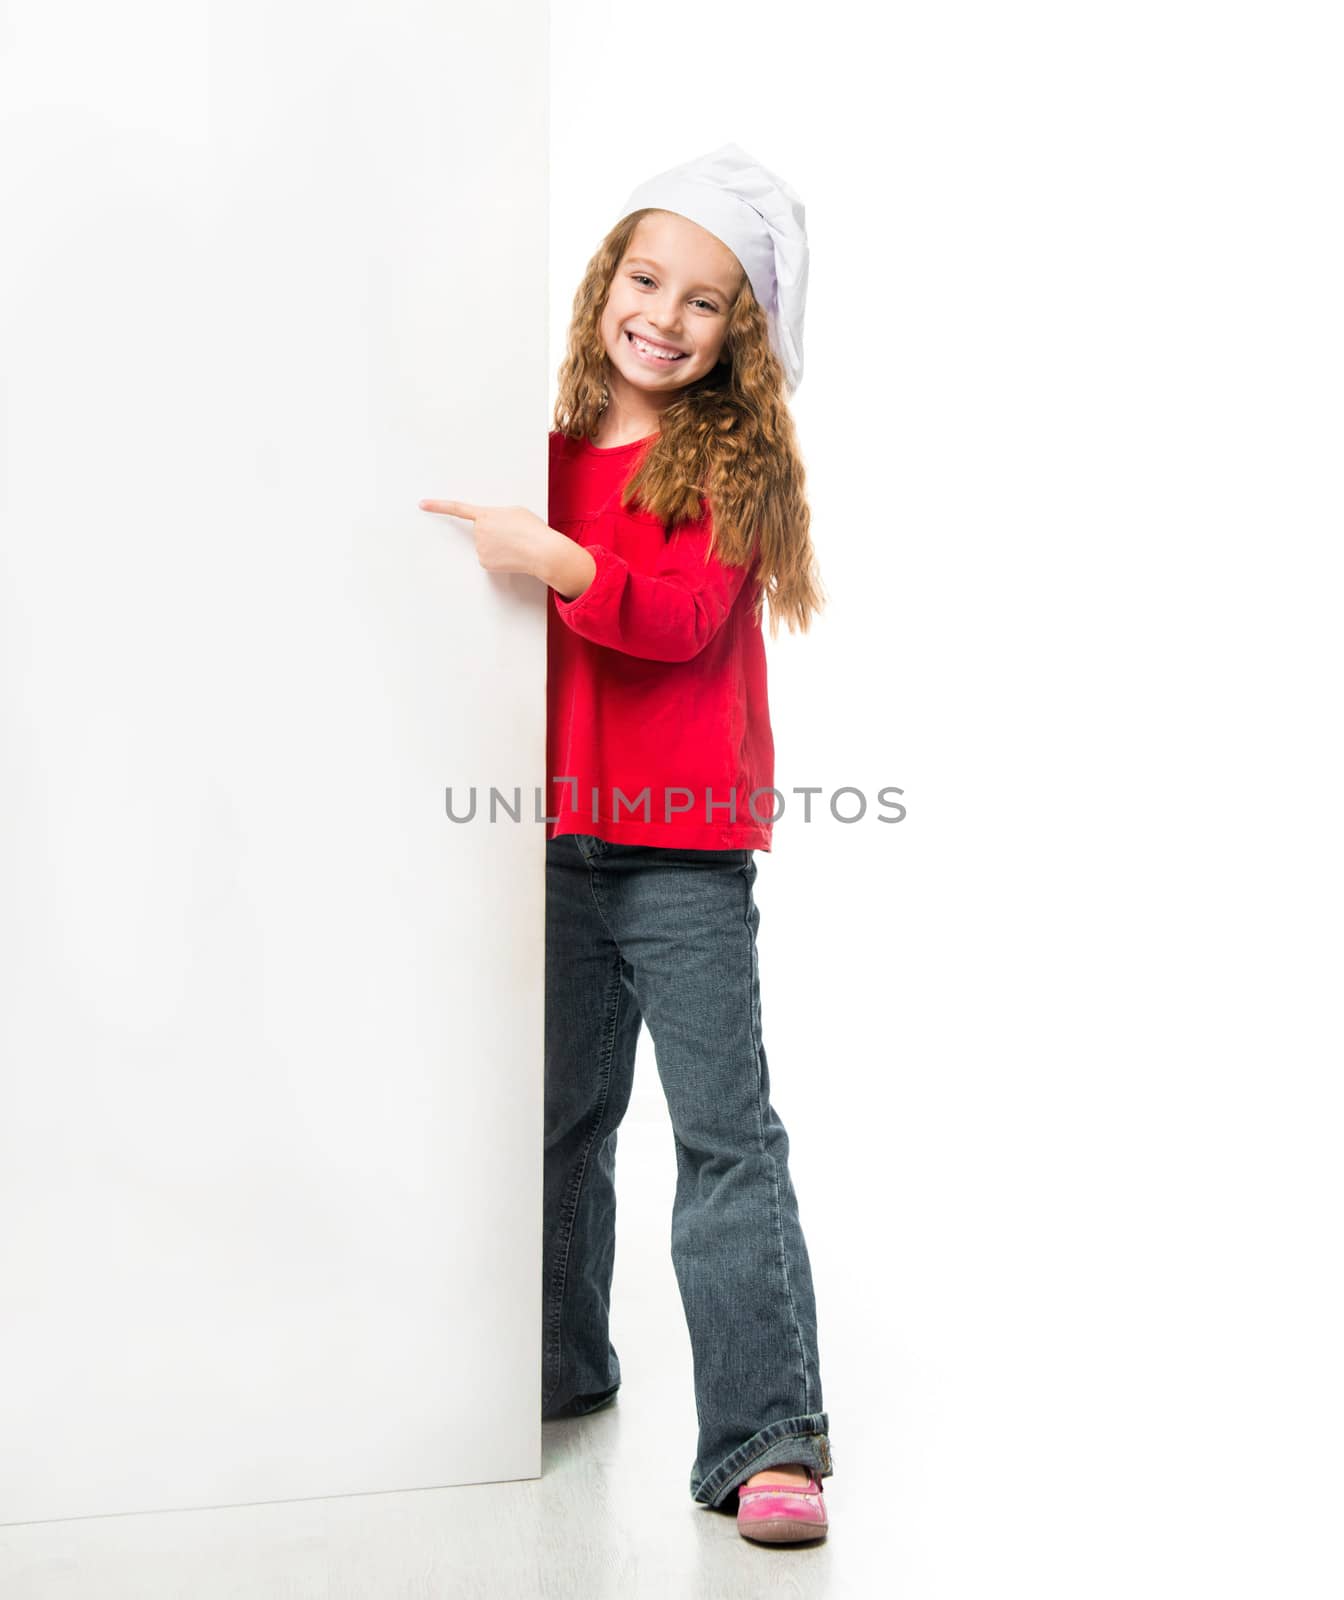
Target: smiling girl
(677,509)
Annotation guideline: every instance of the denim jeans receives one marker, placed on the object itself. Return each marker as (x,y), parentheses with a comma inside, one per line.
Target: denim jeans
(667,936)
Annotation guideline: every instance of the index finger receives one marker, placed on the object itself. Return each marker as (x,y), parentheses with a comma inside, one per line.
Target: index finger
(453,508)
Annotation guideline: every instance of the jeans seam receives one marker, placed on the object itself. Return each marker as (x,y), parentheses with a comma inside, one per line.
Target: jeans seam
(601,910)
(571,1207)
(753,989)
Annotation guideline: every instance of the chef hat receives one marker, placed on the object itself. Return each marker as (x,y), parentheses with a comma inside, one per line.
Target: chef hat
(761,220)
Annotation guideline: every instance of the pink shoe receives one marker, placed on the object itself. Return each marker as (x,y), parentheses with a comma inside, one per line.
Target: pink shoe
(781,1514)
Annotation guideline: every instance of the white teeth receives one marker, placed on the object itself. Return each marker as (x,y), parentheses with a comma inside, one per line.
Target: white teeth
(652,350)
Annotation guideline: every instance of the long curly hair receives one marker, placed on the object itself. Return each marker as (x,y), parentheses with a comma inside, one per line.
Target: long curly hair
(729,437)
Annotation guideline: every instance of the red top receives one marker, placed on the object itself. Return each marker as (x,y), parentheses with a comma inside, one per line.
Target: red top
(655,674)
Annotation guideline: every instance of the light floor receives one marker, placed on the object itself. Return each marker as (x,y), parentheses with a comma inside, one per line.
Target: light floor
(611,1514)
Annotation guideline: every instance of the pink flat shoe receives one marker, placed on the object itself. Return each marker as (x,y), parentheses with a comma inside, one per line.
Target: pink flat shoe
(777,1513)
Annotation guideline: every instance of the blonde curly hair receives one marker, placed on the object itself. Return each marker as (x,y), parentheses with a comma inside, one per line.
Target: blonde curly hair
(728,437)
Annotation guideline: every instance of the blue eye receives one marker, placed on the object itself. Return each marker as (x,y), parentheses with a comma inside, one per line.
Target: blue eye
(645,278)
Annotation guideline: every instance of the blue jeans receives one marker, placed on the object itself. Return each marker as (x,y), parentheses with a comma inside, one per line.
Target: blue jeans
(667,936)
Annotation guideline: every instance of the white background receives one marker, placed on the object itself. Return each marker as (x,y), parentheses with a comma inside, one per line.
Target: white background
(270,1112)
(1059,1053)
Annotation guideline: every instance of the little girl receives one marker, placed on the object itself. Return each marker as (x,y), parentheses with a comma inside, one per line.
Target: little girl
(676,507)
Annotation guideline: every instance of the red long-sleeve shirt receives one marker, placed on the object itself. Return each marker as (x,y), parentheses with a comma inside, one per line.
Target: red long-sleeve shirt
(656,676)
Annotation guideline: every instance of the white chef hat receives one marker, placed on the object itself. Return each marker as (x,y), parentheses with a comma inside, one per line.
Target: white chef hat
(761,220)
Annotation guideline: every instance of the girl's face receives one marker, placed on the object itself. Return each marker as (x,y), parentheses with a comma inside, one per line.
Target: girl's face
(673,289)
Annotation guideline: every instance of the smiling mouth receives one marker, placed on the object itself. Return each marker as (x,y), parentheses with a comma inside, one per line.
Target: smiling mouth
(653,352)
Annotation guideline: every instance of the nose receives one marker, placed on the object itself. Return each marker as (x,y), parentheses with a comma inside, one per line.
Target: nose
(665,319)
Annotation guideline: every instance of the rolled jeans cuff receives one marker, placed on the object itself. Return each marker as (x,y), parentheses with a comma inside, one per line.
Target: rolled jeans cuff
(804,1439)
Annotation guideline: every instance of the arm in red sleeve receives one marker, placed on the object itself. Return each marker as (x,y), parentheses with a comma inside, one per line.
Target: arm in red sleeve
(668,617)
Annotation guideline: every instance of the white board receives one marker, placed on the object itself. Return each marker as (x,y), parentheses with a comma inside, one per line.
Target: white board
(271,1039)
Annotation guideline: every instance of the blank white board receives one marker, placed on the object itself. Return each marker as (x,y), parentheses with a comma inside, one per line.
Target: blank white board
(271,1040)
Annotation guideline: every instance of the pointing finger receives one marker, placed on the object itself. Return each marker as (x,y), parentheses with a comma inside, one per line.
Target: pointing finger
(452,508)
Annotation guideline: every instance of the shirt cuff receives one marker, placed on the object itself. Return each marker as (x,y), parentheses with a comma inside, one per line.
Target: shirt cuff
(606,563)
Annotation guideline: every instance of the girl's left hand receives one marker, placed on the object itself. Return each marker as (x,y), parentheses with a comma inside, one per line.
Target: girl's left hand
(508,538)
